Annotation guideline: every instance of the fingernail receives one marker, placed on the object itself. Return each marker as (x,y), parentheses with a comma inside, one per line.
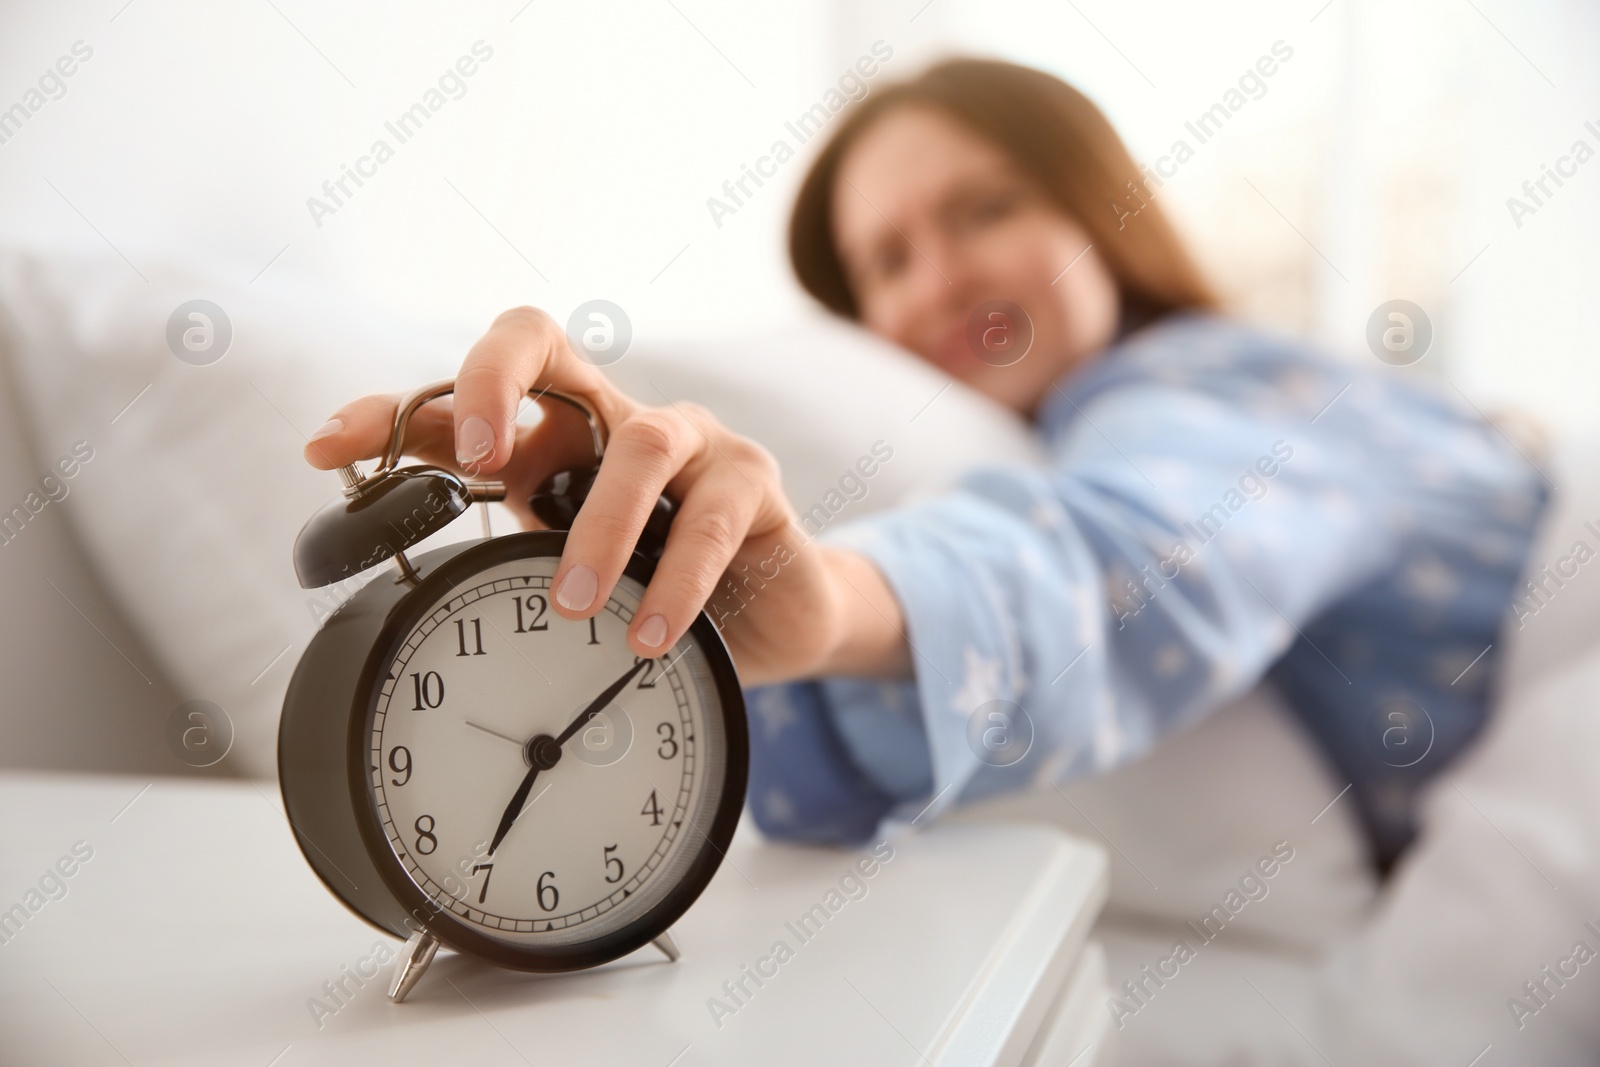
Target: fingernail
(577,589)
(653,631)
(328,429)
(474,439)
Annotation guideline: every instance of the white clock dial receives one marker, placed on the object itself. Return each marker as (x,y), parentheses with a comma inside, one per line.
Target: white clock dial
(608,829)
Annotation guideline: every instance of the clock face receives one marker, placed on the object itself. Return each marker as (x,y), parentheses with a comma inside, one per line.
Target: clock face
(482,686)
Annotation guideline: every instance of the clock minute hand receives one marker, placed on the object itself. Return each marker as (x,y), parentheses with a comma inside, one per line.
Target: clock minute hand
(600,702)
(550,751)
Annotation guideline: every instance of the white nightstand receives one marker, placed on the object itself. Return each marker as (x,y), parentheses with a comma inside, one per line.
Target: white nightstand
(196,934)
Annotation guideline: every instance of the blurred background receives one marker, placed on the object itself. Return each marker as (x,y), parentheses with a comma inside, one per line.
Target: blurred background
(577,161)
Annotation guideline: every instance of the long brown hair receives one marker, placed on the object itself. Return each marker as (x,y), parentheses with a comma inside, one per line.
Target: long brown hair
(1059,139)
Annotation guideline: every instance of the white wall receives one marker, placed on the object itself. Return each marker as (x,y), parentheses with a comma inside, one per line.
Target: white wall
(590,142)
(1376,166)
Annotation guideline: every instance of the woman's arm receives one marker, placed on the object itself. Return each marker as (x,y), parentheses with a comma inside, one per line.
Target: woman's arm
(826,611)
(869,639)
(1170,554)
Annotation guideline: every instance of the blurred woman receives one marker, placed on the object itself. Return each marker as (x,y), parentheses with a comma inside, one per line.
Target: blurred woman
(1222,506)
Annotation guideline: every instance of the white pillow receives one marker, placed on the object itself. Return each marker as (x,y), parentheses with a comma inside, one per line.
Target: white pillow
(200,488)
(1227,798)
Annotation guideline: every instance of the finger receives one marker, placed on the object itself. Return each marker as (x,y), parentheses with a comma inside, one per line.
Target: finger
(359,430)
(707,532)
(644,454)
(559,441)
(524,348)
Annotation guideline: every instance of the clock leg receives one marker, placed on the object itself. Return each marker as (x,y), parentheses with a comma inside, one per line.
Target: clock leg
(668,947)
(413,961)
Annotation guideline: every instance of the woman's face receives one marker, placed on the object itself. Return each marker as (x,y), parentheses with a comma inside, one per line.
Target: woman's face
(933,222)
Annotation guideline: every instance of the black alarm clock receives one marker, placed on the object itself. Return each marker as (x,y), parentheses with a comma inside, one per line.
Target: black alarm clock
(462,766)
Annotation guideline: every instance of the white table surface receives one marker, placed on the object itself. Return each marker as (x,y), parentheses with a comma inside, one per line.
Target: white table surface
(196,934)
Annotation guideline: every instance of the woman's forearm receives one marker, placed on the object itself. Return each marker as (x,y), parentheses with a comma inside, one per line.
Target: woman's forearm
(870,639)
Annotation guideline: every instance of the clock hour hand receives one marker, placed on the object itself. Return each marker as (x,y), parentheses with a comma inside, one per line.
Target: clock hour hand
(514,808)
(544,752)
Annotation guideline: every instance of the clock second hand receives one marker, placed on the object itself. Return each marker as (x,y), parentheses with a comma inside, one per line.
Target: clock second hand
(550,752)
(496,733)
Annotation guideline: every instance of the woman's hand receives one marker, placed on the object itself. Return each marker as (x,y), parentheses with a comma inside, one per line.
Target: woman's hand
(787,608)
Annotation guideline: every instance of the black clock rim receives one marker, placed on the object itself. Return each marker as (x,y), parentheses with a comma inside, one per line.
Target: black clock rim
(440,922)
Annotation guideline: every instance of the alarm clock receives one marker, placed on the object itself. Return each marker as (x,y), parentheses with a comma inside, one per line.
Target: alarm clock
(461,766)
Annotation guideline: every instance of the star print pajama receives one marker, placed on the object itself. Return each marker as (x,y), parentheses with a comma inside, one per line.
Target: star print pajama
(1221,505)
